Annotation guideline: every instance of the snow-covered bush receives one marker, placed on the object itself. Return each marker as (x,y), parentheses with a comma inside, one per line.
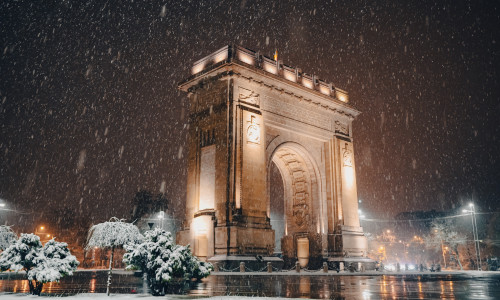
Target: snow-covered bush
(42,264)
(114,233)
(162,260)
(7,237)
(57,263)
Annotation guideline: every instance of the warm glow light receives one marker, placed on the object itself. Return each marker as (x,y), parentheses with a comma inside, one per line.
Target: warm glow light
(220,57)
(290,76)
(341,95)
(42,228)
(349,177)
(48,235)
(388,231)
(307,83)
(324,89)
(245,58)
(92,285)
(198,68)
(271,68)
(201,225)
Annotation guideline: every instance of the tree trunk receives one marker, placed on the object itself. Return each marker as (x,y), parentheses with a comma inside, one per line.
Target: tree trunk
(442,251)
(38,289)
(35,287)
(458,260)
(145,282)
(110,269)
(32,288)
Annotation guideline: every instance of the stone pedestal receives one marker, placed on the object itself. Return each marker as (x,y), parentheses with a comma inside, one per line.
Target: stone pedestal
(236,240)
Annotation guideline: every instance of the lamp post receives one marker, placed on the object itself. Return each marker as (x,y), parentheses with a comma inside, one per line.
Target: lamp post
(405,254)
(3,206)
(472,212)
(161,216)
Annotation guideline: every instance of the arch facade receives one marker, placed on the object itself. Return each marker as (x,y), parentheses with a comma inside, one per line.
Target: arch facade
(248,112)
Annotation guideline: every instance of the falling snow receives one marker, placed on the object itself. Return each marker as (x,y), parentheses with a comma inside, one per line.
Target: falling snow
(90,112)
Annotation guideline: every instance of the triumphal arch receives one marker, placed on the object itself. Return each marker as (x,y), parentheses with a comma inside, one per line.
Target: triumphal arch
(250,113)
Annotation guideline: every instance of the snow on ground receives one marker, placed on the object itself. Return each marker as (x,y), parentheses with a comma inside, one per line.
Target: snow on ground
(9,296)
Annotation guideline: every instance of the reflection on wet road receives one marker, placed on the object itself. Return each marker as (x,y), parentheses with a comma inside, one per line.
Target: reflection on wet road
(463,286)
(356,287)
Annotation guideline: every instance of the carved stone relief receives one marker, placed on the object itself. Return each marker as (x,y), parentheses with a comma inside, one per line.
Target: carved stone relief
(341,128)
(248,96)
(347,156)
(300,188)
(253,131)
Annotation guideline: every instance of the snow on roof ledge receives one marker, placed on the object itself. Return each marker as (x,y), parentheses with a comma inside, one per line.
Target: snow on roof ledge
(255,59)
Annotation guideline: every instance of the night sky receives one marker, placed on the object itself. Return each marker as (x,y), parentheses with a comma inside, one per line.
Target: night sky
(90,111)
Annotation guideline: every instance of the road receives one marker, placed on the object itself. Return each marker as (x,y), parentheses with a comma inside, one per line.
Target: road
(444,285)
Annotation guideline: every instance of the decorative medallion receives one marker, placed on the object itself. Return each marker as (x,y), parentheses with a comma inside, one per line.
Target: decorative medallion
(301,215)
(253,131)
(347,157)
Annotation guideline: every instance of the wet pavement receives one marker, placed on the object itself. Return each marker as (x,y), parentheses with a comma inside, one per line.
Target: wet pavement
(463,285)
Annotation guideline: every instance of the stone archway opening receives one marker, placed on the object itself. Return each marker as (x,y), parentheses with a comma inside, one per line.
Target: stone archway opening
(277,205)
(294,204)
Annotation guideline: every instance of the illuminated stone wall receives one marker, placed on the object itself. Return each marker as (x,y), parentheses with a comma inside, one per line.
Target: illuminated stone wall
(207,178)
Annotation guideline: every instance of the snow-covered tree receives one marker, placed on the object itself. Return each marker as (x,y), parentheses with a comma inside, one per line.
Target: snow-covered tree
(441,236)
(42,263)
(112,234)
(7,237)
(162,260)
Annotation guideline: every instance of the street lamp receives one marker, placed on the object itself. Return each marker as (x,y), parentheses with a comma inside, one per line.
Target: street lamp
(3,206)
(472,212)
(161,216)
